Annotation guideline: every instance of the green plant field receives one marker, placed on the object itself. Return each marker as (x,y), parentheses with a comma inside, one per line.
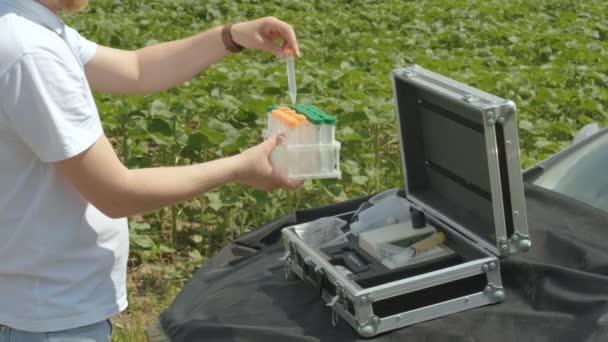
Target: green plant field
(549,56)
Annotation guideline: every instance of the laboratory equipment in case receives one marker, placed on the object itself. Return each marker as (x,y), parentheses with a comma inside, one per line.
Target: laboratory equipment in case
(464,192)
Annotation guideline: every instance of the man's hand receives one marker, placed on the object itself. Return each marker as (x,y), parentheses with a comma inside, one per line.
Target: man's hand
(254,167)
(263,34)
(165,65)
(101,179)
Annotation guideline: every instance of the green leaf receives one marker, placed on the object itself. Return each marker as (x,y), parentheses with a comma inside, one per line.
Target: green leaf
(216,137)
(143,241)
(261,197)
(215,201)
(158,125)
(195,256)
(526,125)
(165,249)
(197,141)
(361,180)
(160,108)
(139,225)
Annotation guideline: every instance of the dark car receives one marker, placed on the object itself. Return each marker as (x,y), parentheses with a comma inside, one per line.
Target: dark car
(580,171)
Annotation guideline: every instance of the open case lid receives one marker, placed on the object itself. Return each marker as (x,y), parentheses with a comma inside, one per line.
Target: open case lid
(460,156)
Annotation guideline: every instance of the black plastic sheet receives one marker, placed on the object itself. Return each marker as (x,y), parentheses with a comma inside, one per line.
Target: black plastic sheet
(558,291)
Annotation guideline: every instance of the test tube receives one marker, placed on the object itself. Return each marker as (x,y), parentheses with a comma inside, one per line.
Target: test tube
(291,74)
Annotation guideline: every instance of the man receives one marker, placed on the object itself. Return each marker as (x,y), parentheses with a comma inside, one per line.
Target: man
(63,191)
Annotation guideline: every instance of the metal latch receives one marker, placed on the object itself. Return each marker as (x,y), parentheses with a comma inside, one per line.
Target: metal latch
(310,262)
(289,275)
(338,299)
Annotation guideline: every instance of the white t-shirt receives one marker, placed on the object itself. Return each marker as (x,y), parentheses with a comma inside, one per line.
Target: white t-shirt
(62,262)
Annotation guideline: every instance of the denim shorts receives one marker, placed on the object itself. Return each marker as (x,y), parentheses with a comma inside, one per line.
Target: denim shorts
(98,332)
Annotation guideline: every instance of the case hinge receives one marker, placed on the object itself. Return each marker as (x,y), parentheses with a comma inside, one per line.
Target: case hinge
(519,242)
(496,293)
(369,328)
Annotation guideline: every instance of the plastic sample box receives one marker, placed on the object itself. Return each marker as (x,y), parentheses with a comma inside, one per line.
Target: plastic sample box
(462,173)
(310,150)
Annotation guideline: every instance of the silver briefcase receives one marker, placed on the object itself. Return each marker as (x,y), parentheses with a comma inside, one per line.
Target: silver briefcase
(463,183)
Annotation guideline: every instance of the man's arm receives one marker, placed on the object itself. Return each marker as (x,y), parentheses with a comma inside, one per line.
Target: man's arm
(101,179)
(162,66)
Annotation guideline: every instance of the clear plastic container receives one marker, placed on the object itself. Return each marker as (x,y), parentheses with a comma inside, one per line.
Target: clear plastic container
(323,232)
(308,161)
(388,210)
(310,150)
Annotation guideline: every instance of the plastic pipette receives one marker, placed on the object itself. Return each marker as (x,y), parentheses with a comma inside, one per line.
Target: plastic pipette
(291,74)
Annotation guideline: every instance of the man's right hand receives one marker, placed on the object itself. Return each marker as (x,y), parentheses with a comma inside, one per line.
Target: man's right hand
(102,180)
(255,168)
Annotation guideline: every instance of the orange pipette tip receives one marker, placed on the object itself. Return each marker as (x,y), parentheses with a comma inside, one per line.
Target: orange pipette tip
(288,52)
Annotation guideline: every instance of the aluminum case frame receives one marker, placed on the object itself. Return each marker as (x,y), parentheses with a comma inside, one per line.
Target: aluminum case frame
(356,305)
